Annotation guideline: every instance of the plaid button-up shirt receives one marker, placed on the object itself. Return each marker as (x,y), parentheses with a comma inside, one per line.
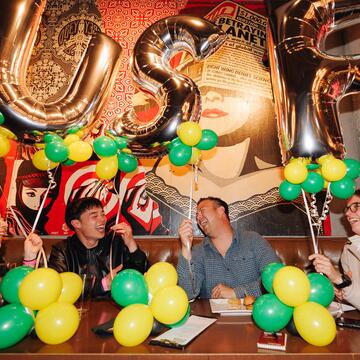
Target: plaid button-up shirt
(239,269)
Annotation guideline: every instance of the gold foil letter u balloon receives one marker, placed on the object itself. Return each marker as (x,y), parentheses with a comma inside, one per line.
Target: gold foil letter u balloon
(308,83)
(85,97)
(177,95)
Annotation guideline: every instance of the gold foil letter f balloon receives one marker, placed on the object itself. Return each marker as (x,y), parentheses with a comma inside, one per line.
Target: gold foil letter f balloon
(308,83)
(85,97)
(177,95)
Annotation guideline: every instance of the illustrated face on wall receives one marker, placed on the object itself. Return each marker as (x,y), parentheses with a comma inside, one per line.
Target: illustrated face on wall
(223,113)
(32,197)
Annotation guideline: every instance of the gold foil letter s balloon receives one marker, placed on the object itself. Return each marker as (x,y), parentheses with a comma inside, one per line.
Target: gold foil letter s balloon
(85,97)
(177,95)
(308,83)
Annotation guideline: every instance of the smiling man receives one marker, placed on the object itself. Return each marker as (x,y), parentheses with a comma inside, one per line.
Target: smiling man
(89,250)
(226,264)
(347,282)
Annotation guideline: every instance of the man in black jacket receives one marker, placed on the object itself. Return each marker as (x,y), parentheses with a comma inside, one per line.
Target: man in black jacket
(90,250)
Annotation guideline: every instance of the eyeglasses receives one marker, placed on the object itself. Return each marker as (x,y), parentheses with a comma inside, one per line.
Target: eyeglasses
(354,207)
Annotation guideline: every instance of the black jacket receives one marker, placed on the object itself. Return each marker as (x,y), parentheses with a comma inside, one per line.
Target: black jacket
(72,255)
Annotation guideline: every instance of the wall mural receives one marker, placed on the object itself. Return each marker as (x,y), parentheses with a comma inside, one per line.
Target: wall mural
(244,169)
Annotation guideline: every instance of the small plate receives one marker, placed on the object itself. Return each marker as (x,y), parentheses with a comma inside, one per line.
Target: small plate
(223,307)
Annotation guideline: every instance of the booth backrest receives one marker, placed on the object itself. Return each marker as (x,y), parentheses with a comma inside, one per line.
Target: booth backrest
(291,250)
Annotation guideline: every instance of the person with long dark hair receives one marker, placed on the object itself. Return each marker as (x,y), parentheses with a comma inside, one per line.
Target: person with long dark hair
(31,187)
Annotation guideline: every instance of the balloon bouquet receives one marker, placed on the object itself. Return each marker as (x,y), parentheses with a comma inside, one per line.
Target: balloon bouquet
(145,297)
(40,291)
(293,294)
(308,84)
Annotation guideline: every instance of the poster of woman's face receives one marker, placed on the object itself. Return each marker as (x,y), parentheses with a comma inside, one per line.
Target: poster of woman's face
(31,193)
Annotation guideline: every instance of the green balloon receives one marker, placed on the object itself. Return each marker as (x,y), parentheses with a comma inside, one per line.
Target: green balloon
(50,137)
(267,275)
(127,162)
(11,282)
(68,162)
(180,155)
(352,168)
(270,314)
(16,322)
(2,118)
(181,321)
(74,129)
(344,188)
(121,142)
(56,151)
(129,287)
(104,146)
(208,140)
(289,191)
(173,143)
(321,289)
(313,183)
(312,166)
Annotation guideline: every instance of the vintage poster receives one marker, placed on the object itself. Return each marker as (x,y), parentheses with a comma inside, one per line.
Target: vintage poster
(245,168)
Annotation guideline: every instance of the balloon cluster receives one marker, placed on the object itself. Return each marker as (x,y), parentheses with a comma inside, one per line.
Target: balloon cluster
(65,151)
(186,148)
(145,297)
(114,155)
(43,290)
(112,151)
(295,296)
(301,174)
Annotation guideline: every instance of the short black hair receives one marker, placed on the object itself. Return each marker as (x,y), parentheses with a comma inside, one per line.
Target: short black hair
(77,207)
(219,202)
(357,193)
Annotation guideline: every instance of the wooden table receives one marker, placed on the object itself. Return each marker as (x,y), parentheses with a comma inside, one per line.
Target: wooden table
(228,338)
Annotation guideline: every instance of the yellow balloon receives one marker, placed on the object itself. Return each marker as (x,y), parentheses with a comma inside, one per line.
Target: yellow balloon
(160,275)
(80,133)
(169,305)
(41,162)
(39,146)
(333,170)
(7,133)
(322,159)
(107,167)
(4,146)
(301,160)
(195,156)
(189,132)
(70,138)
(80,151)
(71,287)
(315,324)
(57,323)
(291,286)
(133,325)
(295,172)
(40,288)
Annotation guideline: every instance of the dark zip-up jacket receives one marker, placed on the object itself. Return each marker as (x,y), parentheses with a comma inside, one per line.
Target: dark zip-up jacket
(72,255)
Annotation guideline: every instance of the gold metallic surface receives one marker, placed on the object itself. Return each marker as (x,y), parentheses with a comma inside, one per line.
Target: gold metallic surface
(309,83)
(84,99)
(177,95)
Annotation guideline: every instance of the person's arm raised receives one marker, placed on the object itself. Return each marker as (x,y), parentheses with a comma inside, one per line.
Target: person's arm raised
(186,236)
(32,245)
